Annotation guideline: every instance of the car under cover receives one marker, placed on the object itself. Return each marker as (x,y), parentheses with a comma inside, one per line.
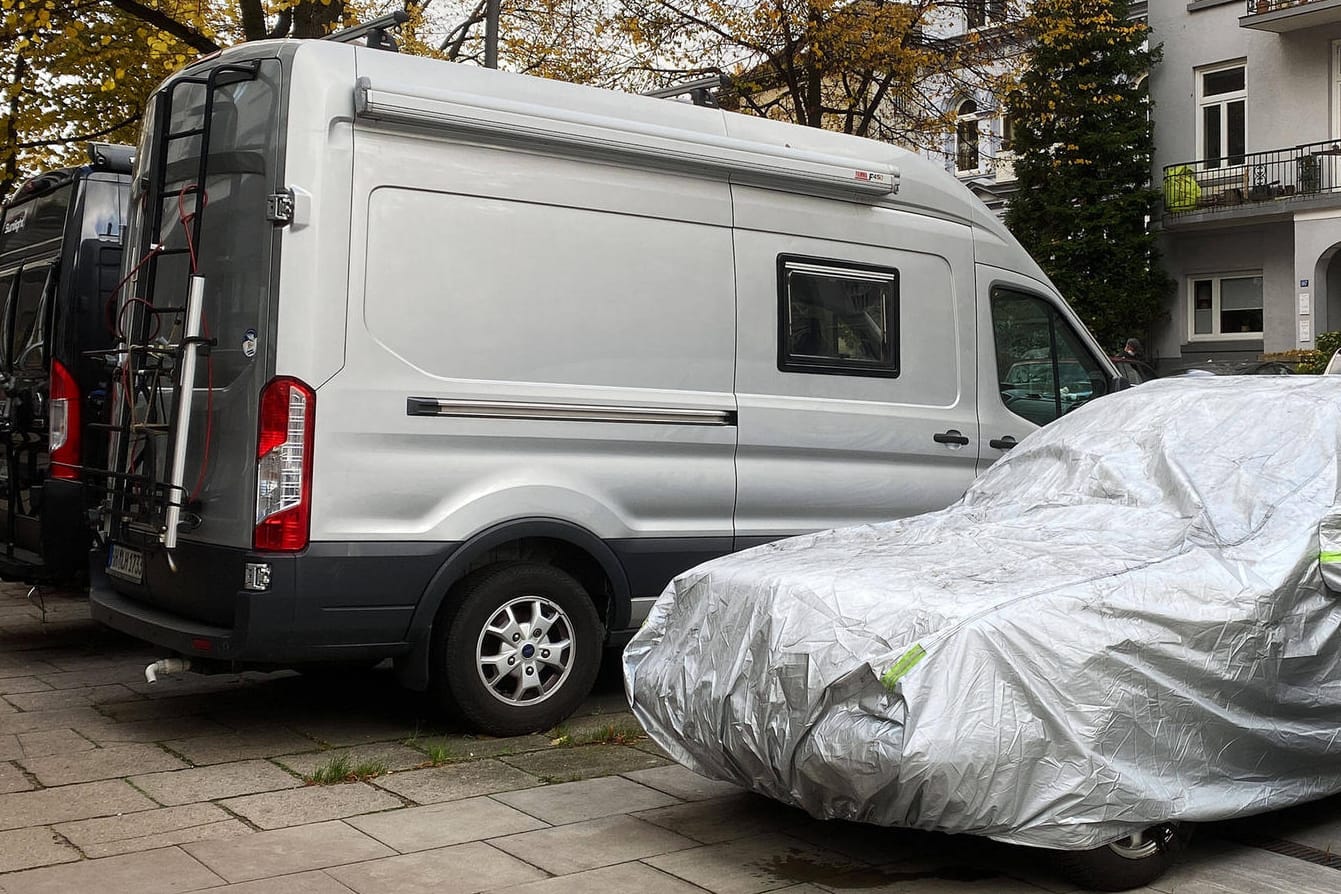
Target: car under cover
(1123,622)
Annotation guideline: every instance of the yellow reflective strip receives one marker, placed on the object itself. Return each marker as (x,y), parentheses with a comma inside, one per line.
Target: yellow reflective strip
(906,663)
(1329,558)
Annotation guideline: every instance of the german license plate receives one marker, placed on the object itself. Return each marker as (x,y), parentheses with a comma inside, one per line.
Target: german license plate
(126,563)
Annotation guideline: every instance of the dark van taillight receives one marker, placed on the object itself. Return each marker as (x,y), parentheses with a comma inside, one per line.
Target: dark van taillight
(63,430)
(284,466)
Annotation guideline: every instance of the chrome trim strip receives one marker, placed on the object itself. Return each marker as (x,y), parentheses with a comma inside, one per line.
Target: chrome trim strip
(506,409)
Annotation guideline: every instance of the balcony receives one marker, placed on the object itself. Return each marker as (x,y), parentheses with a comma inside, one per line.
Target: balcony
(1272,182)
(1281,16)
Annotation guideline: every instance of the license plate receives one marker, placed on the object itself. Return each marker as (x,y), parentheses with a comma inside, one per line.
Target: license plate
(126,563)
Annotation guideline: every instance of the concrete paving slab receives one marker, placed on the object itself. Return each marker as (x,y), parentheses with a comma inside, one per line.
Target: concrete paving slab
(392,755)
(7,708)
(9,747)
(241,746)
(70,802)
(10,685)
(154,709)
(151,829)
(214,782)
(164,871)
(577,847)
(118,672)
(442,825)
(55,699)
(680,782)
(29,848)
(100,763)
(12,779)
(582,762)
(725,819)
(284,851)
(879,845)
(460,869)
(36,721)
(337,731)
(313,804)
(756,864)
(460,748)
(155,729)
(573,802)
(934,881)
(624,877)
(1220,868)
(653,748)
(592,728)
(53,741)
(456,781)
(316,882)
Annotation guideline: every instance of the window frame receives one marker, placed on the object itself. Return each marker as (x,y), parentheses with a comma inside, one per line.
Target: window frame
(1223,101)
(1216,279)
(891,369)
(964,120)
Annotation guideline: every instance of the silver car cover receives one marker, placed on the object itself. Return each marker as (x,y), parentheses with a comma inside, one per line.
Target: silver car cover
(1123,622)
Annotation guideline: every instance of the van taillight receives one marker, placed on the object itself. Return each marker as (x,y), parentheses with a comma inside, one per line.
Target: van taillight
(284,466)
(63,432)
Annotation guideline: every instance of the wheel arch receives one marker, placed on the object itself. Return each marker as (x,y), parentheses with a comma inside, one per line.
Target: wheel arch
(562,544)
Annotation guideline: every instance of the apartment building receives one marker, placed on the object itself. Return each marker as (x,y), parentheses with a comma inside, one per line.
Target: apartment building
(1248,153)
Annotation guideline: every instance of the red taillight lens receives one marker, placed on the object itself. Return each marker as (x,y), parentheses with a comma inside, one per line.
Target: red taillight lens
(63,430)
(284,466)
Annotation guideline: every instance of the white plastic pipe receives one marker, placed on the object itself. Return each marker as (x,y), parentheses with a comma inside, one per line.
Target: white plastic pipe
(166,666)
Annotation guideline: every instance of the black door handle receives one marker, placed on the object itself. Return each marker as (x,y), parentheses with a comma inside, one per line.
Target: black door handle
(950,437)
(1003,443)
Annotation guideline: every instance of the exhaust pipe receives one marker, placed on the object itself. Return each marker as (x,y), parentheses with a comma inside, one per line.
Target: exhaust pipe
(166,666)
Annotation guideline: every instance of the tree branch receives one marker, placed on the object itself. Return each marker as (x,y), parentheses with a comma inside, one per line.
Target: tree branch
(168,24)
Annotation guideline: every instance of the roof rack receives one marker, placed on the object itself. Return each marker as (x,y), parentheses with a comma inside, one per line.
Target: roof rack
(701,91)
(375,30)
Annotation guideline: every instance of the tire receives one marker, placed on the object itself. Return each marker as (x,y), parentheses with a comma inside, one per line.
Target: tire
(1129,863)
(499,673)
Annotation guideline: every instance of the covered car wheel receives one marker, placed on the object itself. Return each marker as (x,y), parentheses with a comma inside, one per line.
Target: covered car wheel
(1129,863)
(521,650)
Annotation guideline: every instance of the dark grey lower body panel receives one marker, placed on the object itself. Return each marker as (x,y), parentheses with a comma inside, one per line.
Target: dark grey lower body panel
(331,602)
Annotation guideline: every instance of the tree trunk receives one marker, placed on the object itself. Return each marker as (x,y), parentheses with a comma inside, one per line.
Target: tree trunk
(312,18)
(253,19)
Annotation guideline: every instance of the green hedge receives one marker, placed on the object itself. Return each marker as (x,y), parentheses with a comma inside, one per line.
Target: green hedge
(1315,361)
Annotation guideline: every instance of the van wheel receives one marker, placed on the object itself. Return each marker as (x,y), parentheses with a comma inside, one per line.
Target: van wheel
(521,650)
(1132,862)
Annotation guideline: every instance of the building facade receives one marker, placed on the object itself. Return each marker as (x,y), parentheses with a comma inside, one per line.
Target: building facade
(1247,106)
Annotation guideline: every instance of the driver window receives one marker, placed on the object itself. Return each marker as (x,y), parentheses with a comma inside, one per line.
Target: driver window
(1043,367)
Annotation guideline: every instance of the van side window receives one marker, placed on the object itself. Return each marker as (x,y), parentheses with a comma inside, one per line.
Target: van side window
(837,318)
(1043,366)
(27,350)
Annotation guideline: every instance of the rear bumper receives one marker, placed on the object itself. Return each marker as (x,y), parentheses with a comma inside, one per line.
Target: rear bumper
(56,540)
(332,602)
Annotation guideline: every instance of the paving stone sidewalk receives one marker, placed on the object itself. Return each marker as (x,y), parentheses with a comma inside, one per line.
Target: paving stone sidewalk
(202,783)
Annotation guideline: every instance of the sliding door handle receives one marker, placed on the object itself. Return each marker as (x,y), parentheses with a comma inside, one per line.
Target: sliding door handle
(1003,443)
(950,437)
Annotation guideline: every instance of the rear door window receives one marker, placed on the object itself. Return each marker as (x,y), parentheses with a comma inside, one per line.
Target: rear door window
(26,345)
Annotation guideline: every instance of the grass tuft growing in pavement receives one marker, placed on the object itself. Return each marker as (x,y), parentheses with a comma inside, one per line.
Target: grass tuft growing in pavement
(341,769)
(622,732)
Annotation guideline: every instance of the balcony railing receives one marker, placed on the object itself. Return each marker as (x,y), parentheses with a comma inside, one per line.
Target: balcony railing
(1260,7)
(1282,16)
(1261,179)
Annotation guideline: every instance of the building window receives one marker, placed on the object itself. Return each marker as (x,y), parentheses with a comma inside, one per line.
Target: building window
(1225,306)
(1222,99)
(980,12)
(966,137)
(838,318)
(1007,132)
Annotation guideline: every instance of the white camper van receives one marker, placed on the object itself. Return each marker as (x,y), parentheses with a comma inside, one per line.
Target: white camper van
(478,361)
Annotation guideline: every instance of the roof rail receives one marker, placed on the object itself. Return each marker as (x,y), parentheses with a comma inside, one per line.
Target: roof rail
(702,91)
(375,30)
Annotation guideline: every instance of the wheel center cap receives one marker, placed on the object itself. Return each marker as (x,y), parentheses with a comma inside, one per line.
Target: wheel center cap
(528,651)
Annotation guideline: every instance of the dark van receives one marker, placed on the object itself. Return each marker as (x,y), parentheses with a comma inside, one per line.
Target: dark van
(60,252)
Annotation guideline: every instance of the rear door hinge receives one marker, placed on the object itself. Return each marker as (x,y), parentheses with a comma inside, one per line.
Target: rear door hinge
(279,208)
